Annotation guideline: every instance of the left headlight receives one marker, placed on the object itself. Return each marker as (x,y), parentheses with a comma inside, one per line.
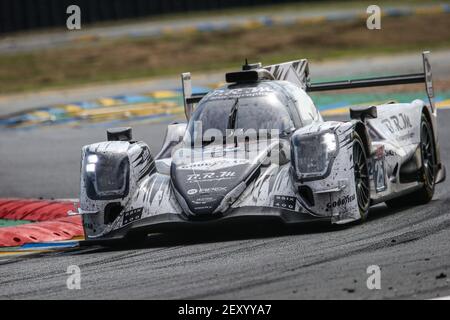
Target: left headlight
(106,175)
(313,154)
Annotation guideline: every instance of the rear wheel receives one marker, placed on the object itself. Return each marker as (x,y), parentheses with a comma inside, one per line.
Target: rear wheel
(427,172)
(361,177)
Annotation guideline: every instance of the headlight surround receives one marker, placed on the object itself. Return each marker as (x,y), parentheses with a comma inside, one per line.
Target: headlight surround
(313,154)
(106,175)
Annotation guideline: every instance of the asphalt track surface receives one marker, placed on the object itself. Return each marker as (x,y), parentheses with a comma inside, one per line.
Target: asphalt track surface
(267,261)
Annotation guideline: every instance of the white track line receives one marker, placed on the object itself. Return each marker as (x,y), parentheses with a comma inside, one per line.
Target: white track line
(442,298)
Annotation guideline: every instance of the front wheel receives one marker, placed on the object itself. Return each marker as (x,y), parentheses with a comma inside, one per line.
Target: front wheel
(427,172)
(361,177)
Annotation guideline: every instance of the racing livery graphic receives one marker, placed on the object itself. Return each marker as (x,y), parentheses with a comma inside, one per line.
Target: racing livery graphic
(257,148)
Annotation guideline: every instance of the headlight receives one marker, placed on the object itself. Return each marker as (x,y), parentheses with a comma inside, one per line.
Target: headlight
(313,154)
(106,175)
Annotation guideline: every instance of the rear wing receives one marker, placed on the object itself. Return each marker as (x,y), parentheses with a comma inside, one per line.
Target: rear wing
(297,72)
(424,77)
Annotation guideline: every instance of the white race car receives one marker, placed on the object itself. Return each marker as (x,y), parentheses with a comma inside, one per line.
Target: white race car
(258,148)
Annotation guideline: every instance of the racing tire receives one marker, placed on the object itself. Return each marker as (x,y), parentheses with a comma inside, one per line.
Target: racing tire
(427,173)
(361,172)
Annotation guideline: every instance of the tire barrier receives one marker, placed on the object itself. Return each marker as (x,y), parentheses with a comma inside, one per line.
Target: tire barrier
(34,210)
(47,231)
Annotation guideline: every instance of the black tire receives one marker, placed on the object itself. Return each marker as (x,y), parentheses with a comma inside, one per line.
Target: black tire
(427,174)
(361,171)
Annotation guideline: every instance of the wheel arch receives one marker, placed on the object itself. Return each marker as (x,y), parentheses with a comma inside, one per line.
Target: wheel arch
(360,128)
(429,116)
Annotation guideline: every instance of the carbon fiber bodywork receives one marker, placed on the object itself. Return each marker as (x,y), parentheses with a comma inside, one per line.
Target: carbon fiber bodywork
(306,174)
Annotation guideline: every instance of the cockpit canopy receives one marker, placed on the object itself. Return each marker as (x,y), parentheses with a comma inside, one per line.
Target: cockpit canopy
(258,106)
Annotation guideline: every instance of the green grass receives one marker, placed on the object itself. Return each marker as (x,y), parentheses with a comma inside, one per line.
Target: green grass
(120,59)
(11,223)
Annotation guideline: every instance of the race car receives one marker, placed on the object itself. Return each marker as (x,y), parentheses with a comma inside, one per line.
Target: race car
(257,148)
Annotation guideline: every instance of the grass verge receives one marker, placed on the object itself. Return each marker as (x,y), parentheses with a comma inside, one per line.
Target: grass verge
(119,59)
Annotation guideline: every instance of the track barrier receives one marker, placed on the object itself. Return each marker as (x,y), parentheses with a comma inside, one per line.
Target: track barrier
(34,210)
(46,231)
(51,222)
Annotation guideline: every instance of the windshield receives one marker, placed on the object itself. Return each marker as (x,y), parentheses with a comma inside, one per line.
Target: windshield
(257,107)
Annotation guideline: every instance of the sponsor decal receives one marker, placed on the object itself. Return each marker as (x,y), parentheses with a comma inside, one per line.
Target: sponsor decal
(223,94)
(285,202)
(397,123)
(211,176)
(213,164)
(204,191)
(192,191)
(341,201)
(132,215)
(203,200)
(212,190)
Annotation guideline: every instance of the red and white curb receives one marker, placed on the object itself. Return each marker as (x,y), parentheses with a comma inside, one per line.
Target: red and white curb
(51,222)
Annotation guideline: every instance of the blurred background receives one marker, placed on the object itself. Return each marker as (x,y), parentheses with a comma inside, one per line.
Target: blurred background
(28,14)
(60,88)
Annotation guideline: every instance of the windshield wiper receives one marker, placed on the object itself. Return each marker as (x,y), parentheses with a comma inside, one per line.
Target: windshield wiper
(232,115)
(231,122)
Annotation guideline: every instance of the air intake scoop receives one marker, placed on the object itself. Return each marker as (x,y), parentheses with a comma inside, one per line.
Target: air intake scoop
(248,76)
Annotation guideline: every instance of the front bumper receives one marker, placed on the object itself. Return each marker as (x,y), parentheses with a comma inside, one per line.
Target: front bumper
(166,223)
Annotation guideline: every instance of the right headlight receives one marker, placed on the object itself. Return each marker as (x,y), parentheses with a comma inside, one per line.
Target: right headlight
(106,175)
(313,154)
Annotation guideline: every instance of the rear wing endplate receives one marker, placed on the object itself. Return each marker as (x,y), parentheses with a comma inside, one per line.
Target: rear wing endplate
(424,77)
(189,98)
